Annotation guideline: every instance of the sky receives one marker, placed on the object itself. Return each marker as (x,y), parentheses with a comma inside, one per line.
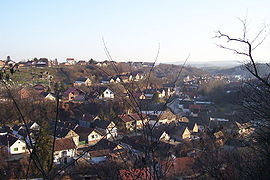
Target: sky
(132,30)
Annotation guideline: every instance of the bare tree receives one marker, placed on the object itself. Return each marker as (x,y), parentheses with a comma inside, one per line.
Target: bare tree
(256,93)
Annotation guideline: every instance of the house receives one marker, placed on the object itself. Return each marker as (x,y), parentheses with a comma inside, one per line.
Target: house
(42,62)
(66,133)
(108,126)
(105,93)
(88,119)
(125,77)
(82,63)
(115,79)
(245,129)
(83,81)
(170,88)
(2,63)
(73,94)
(47,96)
(88,135)
(5,130)
(137,75)
(102,151)
(33,126)
(39,88)
(167,117)
(171,132)
(103,64)
(105,80)
(140,174)
(133,121)
(70,61)
(25,93)
(192,126)
(13,144)
(64,150)
(178,167)
(149,93)
(152,108)
(138,95)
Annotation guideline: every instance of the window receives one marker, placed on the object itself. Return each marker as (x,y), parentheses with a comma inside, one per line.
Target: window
(23,148)
(93,136)
(15,149)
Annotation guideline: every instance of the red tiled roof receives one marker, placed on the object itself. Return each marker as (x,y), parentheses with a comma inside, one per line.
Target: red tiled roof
(64,144)
(131,117)
(139,174)
(178,165)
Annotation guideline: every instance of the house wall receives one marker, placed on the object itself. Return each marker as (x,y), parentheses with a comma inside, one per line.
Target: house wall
(59,155)
(50,97)
(195,128)
(108,94)
(165,137)
(72,95)
(153,112)
(88,82)
(74,136)
(186,134)
(111,130)
(34,126)
(94,137)
(18,147)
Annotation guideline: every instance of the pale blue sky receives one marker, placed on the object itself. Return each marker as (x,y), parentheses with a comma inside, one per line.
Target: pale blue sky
(132,29)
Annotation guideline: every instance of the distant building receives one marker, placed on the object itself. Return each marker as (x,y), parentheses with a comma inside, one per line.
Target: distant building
(83,82)
(70,61)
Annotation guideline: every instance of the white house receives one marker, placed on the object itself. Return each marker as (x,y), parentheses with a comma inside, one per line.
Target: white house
(83,81)
(88,135)
(13,144)
(64,150)
(106,93)
(107,126)
(33,126)
(70,61)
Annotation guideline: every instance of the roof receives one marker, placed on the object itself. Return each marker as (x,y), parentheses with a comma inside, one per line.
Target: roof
(30,124)
(72,89)
(83,79)
(144,106)
(103,124)
(84,132)
(7,140)
(132,117)
(64,124)
(61,132)
(173,130)
(168,85)
(136,142)
(64,144)
(5,129)
(39,87)
(102,89)
(105,144)
(89,117)
(16,127)
(132,174)
(23,132)
(150,91)
(180,165)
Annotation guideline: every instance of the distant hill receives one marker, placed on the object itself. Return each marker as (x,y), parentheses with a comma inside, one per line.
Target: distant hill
(263,70)
(203,64)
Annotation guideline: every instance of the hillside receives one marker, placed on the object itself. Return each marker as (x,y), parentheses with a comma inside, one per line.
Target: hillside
(68,74)
(263,70)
